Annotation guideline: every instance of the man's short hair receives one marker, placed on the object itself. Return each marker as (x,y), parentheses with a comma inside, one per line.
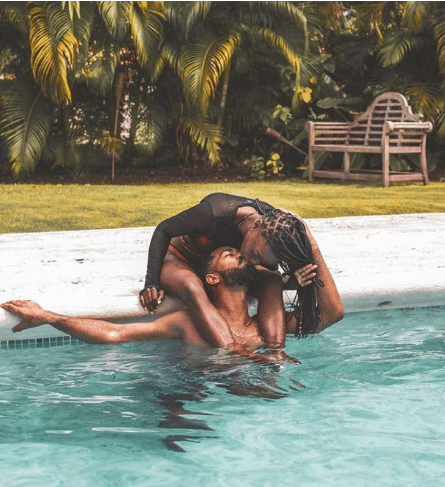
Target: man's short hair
(205,267)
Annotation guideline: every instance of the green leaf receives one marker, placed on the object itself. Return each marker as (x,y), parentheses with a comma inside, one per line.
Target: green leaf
(146,31)
(53,49)
(205,135)
(198,11)
(203,62)
(116,17)
(25,122)
(398,44)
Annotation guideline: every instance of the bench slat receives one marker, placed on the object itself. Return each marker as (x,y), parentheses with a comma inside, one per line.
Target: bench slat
(373,149)
(369,175)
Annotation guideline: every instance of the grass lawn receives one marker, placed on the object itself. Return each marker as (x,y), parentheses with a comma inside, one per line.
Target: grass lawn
(46,208)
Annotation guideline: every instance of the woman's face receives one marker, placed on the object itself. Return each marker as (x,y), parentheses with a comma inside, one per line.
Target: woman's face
(256,249)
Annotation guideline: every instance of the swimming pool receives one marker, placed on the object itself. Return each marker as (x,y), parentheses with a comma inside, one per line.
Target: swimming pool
(365,407)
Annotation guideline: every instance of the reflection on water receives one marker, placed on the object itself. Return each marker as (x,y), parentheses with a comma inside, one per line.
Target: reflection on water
(138,390)
(236,375)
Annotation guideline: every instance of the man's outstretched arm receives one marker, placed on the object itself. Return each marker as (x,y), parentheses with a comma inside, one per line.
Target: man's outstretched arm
(174,325)
(97,331)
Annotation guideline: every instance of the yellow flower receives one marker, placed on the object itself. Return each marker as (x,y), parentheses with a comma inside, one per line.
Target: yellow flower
(275,156)
(305,93)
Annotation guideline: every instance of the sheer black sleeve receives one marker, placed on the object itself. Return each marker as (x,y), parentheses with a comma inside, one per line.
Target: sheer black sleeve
(196,219)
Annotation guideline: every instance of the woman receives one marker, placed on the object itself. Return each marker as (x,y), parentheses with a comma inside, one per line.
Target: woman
(266,238)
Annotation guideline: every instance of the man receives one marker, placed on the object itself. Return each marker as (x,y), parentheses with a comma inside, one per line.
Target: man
(227,277)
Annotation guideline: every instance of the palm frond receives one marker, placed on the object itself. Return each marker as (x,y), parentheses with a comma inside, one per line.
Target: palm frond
(16,14)
(439,119)
(170,55)
(288,11)
(252,110)
(198,11)
(73,9)
(154,7)
(424,99)
(146,32)
(53,49)
(311,68)
(82,29)
(25,122)
(397,45)
(281,46)
(115,16)
(205,135)
(203,63)
(150,130)
(176,15)
(415,15)
(439,35)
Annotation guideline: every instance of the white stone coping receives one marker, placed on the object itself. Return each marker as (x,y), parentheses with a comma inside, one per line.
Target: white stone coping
(392,261)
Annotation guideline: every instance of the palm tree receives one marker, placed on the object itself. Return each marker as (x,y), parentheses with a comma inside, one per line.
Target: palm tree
(395,46)
(183,74)
(218,68)
(62,46)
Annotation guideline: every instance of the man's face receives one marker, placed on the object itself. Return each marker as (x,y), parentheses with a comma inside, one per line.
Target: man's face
(232,267)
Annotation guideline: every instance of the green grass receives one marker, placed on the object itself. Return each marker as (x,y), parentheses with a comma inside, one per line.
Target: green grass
(45,208)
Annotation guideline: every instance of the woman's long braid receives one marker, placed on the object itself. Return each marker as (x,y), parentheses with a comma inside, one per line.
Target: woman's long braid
(288,239)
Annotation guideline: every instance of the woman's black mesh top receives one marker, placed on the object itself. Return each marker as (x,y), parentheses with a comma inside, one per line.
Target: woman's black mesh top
(213,217)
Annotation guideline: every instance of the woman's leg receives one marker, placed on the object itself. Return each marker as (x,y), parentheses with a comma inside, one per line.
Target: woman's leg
(271,315)
(180,280)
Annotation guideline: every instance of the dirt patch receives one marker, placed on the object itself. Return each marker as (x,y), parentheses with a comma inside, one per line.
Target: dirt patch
(157,176)
(133,177)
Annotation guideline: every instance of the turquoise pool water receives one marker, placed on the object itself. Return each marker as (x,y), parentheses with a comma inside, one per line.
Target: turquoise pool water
(365,408)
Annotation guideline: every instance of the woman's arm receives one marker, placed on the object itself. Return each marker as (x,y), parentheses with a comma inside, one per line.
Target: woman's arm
(330,303)
(196,219)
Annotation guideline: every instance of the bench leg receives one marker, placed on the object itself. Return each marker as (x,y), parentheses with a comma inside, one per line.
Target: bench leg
(385,162)
(346,165)
(423,162)
(311,165)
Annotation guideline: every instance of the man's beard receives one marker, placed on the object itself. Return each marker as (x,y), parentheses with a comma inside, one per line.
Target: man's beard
(239,276)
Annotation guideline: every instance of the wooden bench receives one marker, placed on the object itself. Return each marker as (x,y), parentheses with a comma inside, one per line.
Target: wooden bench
(387,127)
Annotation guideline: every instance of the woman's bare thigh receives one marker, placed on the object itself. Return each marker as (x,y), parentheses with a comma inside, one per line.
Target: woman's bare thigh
(175,274)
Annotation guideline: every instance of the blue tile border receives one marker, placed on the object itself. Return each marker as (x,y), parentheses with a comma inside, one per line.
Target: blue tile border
(39,343)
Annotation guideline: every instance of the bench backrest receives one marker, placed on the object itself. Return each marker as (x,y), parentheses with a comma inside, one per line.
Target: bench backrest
(367,128)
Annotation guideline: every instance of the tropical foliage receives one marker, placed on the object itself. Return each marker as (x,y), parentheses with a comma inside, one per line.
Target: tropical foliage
(89,85)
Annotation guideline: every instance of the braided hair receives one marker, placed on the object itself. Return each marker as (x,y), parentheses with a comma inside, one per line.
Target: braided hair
(287,237)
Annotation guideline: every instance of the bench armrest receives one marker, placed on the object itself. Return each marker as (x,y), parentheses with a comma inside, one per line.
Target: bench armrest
(327,133)
(326,125)
(415,126)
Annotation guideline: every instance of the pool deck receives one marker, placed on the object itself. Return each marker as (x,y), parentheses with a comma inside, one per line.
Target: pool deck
(394,261)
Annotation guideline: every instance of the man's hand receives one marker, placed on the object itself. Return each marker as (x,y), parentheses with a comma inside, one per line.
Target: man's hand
(151,298)
(33,315)
(280,354)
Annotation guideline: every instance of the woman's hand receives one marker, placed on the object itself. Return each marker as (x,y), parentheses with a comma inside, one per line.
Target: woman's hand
(151,298)
(290,213)
(304,276)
